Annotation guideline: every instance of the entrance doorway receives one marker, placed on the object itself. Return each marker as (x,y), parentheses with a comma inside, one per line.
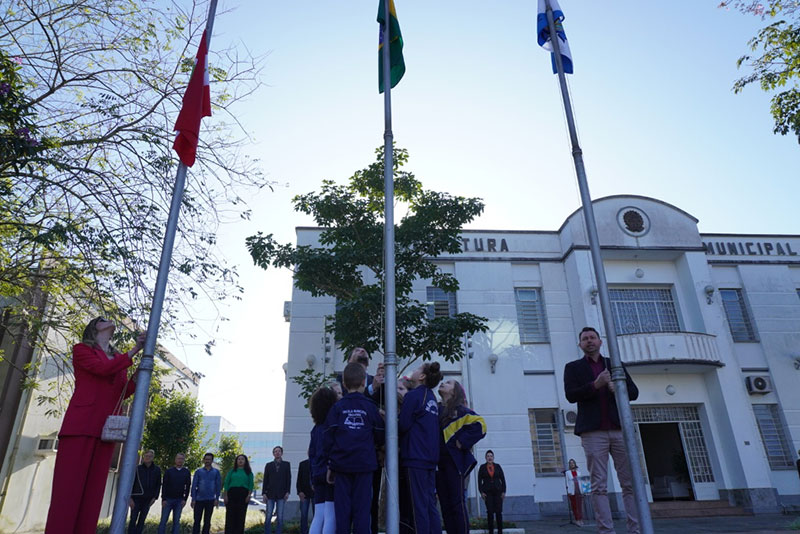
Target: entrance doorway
(665,457)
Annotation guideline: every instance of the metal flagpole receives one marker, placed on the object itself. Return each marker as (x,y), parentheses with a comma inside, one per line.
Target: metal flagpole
(130,451)
(390,348)
(617,372)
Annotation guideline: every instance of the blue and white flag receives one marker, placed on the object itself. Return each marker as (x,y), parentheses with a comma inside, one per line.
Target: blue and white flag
(543,35)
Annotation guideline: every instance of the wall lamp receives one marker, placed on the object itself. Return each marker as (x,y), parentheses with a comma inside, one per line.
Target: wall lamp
(593,294)
(492,361)
(311,360)
(709,291)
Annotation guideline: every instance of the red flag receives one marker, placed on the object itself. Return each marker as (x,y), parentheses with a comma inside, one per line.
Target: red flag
(196,105)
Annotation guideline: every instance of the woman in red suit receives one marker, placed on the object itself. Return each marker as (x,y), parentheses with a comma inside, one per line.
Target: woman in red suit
(83,460)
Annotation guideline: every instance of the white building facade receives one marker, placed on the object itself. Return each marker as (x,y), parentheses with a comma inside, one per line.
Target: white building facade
(256,445)
(709,329)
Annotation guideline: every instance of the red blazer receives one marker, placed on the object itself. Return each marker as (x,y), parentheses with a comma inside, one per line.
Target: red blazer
(99,382)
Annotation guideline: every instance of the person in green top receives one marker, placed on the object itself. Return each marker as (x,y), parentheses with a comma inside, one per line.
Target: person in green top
(237,487)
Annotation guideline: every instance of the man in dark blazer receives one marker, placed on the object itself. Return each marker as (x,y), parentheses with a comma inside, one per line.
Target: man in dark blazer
(373,390)
(306,493)
(145,491)
(587,381)
(277,485)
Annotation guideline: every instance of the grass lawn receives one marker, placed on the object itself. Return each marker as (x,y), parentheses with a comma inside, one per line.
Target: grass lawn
(254,524)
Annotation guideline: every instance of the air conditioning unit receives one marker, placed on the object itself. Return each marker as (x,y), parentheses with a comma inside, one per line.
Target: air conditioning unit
(570,416)
(758,385)
(46,445)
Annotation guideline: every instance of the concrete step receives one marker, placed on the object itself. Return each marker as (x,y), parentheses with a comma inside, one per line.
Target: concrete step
(680,505)
(668,509)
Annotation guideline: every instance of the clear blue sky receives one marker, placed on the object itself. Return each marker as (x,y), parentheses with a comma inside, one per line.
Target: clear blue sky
(480,113)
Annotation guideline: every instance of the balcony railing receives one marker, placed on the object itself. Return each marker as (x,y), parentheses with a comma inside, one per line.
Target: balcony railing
(666,347)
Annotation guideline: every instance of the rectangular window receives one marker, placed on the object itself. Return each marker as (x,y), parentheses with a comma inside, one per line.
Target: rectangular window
(773,436)
(440,303)
(643,310)
(530,316)
(738,315)
(545,441)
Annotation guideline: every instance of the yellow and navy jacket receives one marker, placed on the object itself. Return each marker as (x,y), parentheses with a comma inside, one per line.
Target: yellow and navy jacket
(418,426)
(352,431)
(459,435)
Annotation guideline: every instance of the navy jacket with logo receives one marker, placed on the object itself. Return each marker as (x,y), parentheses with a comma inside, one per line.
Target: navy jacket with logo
(352,430)
(319,462)
(419,429)
(459,434)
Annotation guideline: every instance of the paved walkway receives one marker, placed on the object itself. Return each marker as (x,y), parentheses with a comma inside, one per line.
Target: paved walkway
(758,524)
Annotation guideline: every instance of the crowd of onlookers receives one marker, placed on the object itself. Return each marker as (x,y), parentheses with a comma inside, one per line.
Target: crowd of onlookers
(341,478)
(343,471)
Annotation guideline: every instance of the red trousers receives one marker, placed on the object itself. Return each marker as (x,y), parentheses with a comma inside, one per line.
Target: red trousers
(577,506)
(79,482)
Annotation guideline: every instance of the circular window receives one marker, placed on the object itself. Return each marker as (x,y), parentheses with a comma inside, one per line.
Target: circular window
(633,221)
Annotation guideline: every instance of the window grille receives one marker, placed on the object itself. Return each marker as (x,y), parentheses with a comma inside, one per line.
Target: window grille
(773,436)
(440,303)
(642,310)
(696,452)
(545,441)
(531,316)
(738,316)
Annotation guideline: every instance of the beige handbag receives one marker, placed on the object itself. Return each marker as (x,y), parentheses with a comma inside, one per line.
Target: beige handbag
(116,427)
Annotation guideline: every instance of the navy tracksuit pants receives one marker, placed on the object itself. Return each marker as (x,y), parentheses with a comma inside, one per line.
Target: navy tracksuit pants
(421,488)
(352,497)
(450,487)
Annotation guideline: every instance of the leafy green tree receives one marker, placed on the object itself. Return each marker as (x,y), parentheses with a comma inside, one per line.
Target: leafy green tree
(228,448)
(775,60)
(89,92)
(348,264)
(309,381)
(173,424)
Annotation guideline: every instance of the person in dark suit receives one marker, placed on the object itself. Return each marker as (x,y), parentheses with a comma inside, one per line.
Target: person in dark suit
(587,381)
(798,464)
(277,485)
(83,460)
(492,486)
(374,389)
(145,491)
(305,492)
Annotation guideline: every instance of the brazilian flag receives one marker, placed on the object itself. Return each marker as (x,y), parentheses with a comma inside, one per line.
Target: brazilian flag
(398,66)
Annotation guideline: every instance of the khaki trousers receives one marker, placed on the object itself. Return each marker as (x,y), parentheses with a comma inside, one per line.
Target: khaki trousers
(597,445)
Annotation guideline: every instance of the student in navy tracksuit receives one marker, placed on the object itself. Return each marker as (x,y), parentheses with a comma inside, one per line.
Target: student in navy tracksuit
(353,429)
(419,448)
(320,405)
(461,429)
(404,385)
